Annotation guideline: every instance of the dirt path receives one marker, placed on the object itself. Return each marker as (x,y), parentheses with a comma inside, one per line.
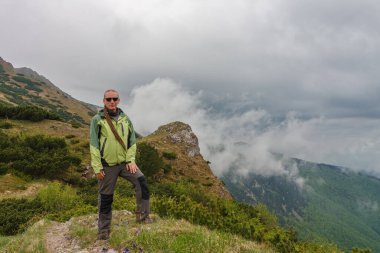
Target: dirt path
(58,240)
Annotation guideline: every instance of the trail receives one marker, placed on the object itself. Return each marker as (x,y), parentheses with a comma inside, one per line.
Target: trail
(58,240)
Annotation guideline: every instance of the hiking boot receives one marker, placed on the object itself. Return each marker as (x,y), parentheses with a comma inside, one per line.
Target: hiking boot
(147,220)
(143,218)
(104,235)
(138,216)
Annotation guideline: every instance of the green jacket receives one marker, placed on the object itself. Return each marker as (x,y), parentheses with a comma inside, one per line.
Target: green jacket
(104,148)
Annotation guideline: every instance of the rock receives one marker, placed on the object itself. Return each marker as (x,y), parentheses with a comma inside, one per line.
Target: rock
(181,133)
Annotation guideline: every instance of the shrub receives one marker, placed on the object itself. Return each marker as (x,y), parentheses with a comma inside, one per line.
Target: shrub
(16,213)
(58,197)
(4,167)
(167,168)
(148,159)
(41,143)
(38,156)
(30,85)
(31,113)
(169,155)
(88,191)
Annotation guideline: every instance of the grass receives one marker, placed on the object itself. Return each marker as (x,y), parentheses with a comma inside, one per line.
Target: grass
(164,235)
(12,186)
(52,128)
(32,241)
(9,182)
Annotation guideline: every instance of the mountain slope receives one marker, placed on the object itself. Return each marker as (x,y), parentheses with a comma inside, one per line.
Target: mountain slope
(24,86)
(334,204)
(178,138)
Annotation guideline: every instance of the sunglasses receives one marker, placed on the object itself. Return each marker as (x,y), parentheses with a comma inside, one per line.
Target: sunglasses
(114,99)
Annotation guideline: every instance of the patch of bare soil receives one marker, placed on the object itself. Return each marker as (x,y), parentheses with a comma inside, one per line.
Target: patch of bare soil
(58,240)
(30,191)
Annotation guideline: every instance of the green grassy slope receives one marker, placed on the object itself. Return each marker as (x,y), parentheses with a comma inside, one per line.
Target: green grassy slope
(334,205)
(24,90)
(342,206)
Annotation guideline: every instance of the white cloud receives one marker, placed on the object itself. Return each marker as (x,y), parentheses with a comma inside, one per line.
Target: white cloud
(253,135)
(317,58)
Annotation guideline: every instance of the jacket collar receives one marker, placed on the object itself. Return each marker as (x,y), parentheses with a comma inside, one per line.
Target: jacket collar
(119,111)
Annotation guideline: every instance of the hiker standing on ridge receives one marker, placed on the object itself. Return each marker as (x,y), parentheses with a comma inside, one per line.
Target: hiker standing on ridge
(113,150)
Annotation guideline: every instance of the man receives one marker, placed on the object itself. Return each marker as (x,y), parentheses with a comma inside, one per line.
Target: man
(113,150)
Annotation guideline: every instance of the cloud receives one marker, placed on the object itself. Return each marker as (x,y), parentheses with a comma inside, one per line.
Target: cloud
(248,141)
(316,58)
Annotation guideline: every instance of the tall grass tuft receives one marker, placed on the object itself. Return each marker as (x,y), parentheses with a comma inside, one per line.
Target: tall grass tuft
(59,197)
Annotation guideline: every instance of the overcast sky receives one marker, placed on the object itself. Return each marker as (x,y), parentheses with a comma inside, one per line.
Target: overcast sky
(312,63)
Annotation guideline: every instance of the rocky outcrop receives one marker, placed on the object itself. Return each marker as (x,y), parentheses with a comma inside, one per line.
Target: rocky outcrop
(178,138)
(180,133)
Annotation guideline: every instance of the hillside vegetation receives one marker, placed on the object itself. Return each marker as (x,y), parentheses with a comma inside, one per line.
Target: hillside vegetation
(189,198)
(334,204)
(30,89)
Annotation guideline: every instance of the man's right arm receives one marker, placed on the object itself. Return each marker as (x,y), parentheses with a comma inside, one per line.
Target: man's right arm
(94,146)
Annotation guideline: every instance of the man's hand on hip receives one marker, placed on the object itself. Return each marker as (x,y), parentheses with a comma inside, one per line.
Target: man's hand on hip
(131,167)
(100,175)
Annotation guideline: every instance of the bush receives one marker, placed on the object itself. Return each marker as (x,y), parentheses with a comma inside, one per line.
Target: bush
(31,113)
(30,85)
(88,191)
(167,168)
(16,213)
(38,156)
(148,159)
(169,155)
(4,168)
(41,143)
(58,197)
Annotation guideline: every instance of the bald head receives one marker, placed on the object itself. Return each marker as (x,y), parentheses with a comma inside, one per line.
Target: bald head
(110,90)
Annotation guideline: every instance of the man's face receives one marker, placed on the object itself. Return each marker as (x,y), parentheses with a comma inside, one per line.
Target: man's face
(111,100)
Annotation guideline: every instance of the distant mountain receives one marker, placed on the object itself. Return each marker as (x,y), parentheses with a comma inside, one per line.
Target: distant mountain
(23,86)
(332,204)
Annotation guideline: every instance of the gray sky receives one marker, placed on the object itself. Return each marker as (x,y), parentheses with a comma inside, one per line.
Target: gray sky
(317,60)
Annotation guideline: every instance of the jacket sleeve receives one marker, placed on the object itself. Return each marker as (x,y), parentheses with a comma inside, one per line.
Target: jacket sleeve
(132,146)
(95,146)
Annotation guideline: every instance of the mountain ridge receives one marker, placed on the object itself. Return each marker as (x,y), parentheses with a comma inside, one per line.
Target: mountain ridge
(24,86)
